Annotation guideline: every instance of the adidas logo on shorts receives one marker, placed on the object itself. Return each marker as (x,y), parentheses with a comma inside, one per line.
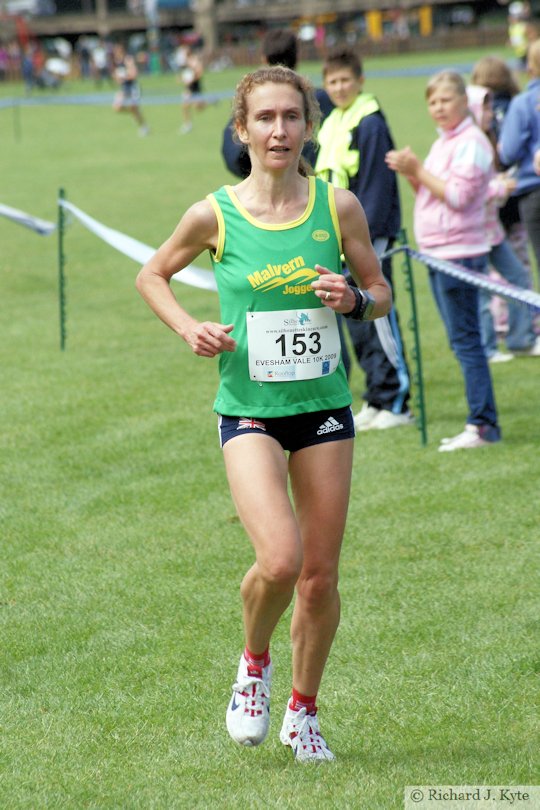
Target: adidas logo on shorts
(330,426)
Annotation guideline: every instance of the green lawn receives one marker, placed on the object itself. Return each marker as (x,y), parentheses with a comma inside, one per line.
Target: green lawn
(121,555)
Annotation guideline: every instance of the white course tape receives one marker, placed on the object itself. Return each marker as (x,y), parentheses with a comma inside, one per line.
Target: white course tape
(502,288)
(138,251)
(40,226)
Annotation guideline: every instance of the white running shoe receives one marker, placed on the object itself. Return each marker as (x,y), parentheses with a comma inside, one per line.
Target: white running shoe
(364,417)
(301,732)
(473,436)
(386,419)
(248,713)
(500,357)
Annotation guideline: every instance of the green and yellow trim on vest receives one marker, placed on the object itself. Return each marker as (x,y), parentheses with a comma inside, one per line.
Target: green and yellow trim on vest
(317,235)
(270,226)
(218,253)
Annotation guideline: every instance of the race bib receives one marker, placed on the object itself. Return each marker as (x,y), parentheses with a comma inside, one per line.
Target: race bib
(292,344)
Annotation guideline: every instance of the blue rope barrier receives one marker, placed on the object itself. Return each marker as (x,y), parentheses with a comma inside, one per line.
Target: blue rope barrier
(529,298)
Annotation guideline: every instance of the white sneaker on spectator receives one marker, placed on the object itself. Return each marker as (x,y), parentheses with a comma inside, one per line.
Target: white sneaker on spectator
(471,437)
(386,419)
(532,351)
(365,416)
(500,357)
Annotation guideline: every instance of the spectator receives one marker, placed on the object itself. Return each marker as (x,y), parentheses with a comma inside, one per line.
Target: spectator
(520,338)
(353,142)
(100,63)
(38,64)
(27,68)
(4,62)
(15,60)
(520,136)
(85,58)
(521,31)
(494,73)
(450,223)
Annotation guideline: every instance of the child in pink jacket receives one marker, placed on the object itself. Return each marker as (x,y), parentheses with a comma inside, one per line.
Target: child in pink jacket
(450,223)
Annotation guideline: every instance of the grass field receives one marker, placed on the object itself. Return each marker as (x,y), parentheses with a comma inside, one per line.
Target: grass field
(121,555)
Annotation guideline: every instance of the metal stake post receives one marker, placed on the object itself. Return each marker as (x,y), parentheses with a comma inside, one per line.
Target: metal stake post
(416,354)
(61,273)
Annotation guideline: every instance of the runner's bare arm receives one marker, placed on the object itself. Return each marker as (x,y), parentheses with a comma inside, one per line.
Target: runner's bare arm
(361,260)
(196,232)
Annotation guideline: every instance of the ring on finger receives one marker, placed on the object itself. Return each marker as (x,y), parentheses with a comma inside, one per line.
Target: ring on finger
(327,297)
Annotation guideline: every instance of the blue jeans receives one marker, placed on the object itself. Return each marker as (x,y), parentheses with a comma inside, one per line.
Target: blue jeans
(458,305)
(520,328)
(529,211)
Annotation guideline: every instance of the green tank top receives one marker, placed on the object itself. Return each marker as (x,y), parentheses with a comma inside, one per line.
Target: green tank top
(264,271)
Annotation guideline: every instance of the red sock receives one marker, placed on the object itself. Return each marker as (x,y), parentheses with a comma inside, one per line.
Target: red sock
(257,659)
(299,701)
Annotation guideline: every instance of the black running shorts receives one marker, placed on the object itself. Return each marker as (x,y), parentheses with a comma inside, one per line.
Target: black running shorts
(292,432)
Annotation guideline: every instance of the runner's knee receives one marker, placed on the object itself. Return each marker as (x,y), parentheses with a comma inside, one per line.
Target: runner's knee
(317,589)
(282,571)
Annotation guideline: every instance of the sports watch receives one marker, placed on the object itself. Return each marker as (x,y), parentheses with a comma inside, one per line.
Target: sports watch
(363,306)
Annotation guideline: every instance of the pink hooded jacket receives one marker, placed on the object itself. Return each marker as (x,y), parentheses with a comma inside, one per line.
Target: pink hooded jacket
(455,228)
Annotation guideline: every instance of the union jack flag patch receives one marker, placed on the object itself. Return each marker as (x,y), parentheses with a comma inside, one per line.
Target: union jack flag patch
(244,423)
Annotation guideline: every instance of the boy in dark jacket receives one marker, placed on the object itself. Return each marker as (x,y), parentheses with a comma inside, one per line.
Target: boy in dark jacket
(353,142)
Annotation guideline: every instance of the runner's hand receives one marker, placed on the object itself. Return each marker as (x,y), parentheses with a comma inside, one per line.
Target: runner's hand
(208,339)
(333,290)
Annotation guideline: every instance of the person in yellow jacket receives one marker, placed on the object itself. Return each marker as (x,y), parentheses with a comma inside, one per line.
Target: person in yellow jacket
(353,142)
(521,31)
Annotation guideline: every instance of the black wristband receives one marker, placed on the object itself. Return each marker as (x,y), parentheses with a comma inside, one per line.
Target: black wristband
(363,306)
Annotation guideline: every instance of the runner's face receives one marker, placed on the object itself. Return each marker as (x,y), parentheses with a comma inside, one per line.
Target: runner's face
(275,129)
(446,106)
(343,86)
